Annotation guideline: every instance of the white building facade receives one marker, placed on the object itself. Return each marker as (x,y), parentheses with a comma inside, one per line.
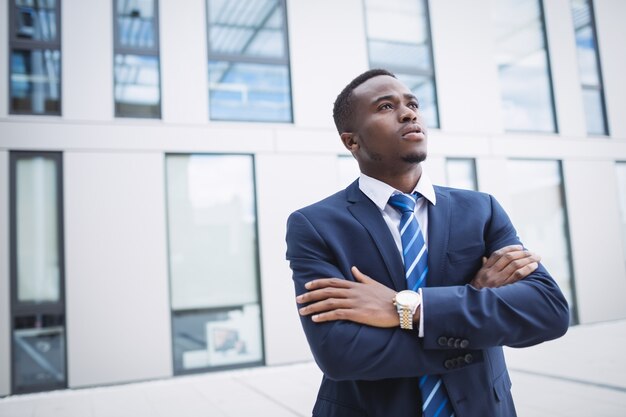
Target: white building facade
(144,191)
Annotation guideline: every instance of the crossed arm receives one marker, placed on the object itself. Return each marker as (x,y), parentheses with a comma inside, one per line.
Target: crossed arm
(366,301)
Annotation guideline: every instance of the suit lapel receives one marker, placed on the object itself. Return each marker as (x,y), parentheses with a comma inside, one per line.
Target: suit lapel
(438,236)
(366,213)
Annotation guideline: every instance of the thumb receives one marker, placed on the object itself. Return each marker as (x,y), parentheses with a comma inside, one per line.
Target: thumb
(360,276)
(484,260)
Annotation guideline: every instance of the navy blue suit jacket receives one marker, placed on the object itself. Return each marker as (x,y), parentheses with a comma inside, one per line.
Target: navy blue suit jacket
(373,372)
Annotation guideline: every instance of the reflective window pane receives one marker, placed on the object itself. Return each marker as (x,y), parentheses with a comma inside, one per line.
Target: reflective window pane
(522,61)
(137,92)
(39,353)
(38,263)
(538,212)
(35,81)
(621,193)
(248,28)
(461,173)
(249,77)
(136,23)
(35,20)
(589,67)
(213,260)
(250,92)
(398,39)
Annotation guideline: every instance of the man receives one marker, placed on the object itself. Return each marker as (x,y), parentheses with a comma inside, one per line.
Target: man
(438,350)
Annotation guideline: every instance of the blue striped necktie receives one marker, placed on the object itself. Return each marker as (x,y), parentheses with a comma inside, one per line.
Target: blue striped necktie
(435,401)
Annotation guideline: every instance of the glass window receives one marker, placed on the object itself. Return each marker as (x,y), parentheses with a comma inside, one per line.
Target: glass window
(621,194)
(213,261)
(249,78)
(136,64)
(461,173)
(35,57)
(589,67)
(540,216)
(37,283)
(398,39)
(523,66)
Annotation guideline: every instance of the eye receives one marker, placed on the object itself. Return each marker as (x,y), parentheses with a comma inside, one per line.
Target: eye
(385,106)
(413,105)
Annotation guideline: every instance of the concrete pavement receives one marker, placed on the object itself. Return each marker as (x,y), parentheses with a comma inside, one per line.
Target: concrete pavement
(581,374)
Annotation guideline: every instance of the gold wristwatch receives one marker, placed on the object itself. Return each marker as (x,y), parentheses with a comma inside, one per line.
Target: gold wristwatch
(407,302)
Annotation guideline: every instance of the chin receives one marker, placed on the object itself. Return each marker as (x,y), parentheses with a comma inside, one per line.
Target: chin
(415,158)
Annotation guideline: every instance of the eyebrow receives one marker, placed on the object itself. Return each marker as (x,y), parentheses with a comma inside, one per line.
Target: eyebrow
(392,97)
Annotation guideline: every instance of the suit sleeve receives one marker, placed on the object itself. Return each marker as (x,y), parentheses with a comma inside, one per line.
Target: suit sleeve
(350,351)
(528,312)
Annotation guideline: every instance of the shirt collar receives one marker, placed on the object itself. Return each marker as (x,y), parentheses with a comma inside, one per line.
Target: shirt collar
(380,192)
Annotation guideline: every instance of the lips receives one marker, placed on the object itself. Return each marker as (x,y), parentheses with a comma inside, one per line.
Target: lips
(413,131)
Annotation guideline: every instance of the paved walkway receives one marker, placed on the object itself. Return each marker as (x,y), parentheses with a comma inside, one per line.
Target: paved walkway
(581,374)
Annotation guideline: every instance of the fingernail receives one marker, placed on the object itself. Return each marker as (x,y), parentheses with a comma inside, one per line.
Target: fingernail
(315,317)
(299,298)
(307,285)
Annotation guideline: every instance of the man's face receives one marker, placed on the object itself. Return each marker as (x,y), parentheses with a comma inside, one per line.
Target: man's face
(388,135)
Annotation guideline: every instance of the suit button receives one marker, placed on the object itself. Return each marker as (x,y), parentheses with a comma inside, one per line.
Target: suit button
(464,343)
(451,342)
(442,341)
(449,364)
(457,343)
(468,358)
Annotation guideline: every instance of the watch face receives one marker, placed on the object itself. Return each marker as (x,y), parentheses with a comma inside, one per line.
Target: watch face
(407,298)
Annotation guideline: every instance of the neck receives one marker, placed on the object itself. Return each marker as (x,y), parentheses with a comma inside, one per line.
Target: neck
(405,181)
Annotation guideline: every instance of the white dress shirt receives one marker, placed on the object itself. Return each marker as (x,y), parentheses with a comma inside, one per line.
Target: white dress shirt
(380,192)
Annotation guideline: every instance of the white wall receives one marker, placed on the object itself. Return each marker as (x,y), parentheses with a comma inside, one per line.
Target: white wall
(87,60)
(5,297)
(279,194)
(184,66)
(599,264)
(118,315)
(610,18)
(465,66)
(327,48)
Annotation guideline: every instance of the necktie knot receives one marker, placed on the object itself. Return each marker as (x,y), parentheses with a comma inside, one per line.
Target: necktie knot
(404,203)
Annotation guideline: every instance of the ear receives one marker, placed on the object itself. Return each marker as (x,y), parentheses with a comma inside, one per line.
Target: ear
(349,140)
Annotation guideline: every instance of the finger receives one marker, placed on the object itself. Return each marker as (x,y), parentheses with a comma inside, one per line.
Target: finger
(507,258)
(360,276)
(495,256)
(321,294)
(484,260)
(326,305)
(339,314)
(327,282)
(520,263)
(522,273)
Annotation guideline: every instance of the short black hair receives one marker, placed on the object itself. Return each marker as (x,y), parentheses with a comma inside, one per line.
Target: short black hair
(343,107)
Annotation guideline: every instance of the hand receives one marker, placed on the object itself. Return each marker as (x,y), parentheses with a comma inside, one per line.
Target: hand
(365,301)
(506,266)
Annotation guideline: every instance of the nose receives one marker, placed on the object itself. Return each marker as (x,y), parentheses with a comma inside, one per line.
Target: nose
(408,114)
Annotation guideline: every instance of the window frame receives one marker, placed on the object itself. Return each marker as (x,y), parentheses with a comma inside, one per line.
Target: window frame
(16,43)
(257,278)
(244,59)
(154,51)
(19,309)
(411,70)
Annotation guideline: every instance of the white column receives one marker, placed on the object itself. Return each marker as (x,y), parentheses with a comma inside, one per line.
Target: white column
(184,66)
(284,337)
(87,60)
(566,86)
(599,265)
(328,49)
(118,309)
(4,59)
(465,67)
